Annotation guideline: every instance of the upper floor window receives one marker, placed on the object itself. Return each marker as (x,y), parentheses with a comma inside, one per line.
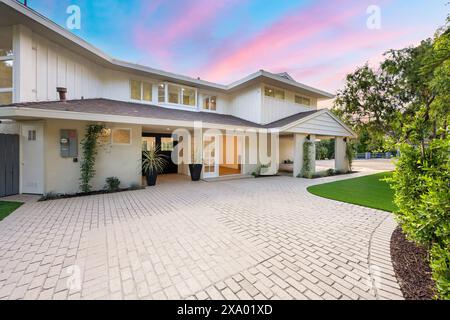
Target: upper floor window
(303,100)
(6,66)
(274,93)
(209,103)
(161,93)
(181,95)
(140,90)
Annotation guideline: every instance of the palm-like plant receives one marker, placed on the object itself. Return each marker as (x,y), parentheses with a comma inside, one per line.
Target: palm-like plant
(153,161)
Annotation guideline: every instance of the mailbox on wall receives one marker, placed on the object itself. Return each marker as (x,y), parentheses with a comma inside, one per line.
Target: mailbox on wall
(69,143)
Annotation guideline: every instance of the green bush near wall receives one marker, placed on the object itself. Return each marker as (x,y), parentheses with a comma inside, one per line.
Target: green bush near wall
(421,182)
(308,168)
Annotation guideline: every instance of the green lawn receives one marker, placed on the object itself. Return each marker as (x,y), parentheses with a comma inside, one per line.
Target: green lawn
(7,207)
(366,191)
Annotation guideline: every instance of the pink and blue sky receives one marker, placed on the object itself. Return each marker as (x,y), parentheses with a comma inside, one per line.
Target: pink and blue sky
(317,42)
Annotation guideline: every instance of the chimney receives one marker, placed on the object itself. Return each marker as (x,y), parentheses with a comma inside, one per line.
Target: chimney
(62,93)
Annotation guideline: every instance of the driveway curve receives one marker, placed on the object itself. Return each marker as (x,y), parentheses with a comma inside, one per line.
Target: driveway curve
(265,238)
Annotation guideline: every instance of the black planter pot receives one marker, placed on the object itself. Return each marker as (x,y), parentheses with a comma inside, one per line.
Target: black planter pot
(151,178)
(196,171)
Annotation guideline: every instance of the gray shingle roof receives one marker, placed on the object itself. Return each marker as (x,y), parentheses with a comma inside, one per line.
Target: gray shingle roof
(121,108)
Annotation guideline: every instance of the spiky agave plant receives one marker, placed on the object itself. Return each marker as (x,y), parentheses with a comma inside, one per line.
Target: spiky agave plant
(153,161)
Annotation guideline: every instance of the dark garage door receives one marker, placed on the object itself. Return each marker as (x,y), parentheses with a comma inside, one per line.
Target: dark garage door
(9,164)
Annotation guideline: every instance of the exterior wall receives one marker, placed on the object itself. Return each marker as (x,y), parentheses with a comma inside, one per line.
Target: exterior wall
(246,104)
(286,148)
(222,102)
(42,66)
(62,174)
(341,161)
(323,124)
(9,127)
(275,109)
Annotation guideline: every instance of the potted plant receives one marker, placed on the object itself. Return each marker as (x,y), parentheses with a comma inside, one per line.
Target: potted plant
(153,162)
(196,168)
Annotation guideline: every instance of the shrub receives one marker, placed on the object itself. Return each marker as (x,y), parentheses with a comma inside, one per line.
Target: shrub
(349,154)
(330,172)
(308,169)
(440,265)
(258,169)
(421,182)
(51,196)
(136,186)
(112,184)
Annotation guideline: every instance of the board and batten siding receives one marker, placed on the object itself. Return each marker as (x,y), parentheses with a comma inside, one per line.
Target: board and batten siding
(323,124)
(246,104)
(42,66)
(275,109)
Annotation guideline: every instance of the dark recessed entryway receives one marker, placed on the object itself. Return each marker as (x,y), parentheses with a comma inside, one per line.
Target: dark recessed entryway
(166,143)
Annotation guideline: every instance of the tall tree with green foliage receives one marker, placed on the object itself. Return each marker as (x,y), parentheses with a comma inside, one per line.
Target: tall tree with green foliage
(406,102)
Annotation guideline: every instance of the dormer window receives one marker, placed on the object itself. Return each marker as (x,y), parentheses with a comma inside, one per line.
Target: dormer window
(140,91)
(274,93)
(209,103)
(303,100)
(6,66)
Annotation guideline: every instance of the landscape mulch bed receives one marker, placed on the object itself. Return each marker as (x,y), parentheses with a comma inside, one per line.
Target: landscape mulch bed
(411,268)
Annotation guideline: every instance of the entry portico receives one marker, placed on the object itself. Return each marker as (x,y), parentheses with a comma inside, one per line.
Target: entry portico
(318,125)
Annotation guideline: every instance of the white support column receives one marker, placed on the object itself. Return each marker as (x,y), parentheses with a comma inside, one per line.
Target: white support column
(341,161)
(299,140)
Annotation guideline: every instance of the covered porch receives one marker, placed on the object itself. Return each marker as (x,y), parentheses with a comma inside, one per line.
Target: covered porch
(298,145)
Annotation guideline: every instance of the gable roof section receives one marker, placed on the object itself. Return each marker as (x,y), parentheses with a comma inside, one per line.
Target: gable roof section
(13,12)
(285,75)
(322,122)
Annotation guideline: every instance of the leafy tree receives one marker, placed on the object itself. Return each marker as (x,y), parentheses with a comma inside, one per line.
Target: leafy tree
(406,102)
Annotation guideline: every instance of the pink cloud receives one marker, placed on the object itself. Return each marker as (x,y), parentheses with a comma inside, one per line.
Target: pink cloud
(281,36)
(336,76)
(339,46)
(183,23)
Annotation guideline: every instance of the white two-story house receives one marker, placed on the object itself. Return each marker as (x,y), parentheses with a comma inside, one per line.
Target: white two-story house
(141,107)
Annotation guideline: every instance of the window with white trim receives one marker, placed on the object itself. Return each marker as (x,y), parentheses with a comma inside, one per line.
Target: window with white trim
(6,66)
(303,100)
(161,93)
(177,94)
(210,103)
(140,91)
(121,136)
(274,93)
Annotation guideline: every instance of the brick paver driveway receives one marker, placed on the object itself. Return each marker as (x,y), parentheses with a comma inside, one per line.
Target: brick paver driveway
(247,239)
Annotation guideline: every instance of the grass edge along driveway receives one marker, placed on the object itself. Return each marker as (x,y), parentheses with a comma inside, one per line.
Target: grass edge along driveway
(368,191)
(8,207)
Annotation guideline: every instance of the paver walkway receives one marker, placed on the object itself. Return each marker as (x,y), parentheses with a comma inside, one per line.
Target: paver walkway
(246,239)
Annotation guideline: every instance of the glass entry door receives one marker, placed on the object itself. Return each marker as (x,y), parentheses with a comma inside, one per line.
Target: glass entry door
(210,157)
